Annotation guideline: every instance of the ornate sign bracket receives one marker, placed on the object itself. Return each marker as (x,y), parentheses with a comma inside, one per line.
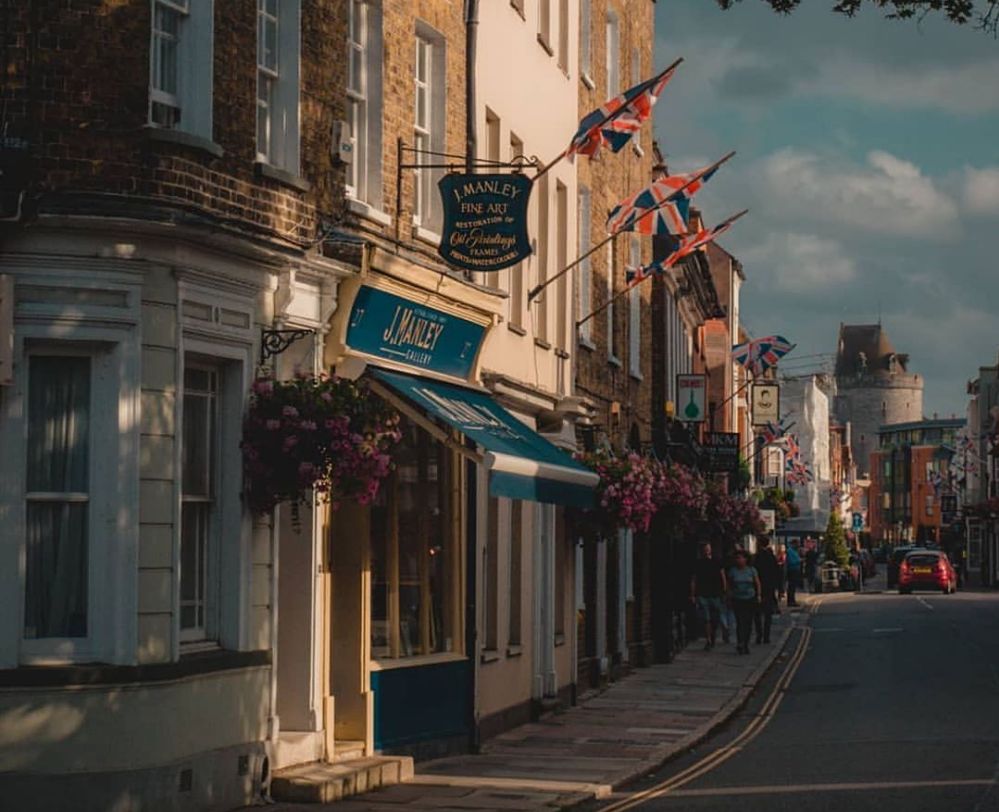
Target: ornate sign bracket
(275,342)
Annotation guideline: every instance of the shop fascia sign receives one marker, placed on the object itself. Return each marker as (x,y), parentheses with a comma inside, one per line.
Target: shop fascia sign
(485,220)
(393,328)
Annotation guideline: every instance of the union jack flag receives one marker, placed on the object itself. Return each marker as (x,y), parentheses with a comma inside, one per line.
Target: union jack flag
(761,354)
(687,245)
(662,208)
(791,448)
(772,433)
(613,123)
(797,472)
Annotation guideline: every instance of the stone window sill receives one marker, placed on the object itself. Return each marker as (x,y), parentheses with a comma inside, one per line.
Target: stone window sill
(540,342)
(282,176)
(183,139)
(516,328)
(489,655)
(369,212)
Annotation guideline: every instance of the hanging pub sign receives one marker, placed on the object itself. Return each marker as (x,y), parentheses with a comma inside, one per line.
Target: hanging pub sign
(485,220)
(766,403)
(690,396)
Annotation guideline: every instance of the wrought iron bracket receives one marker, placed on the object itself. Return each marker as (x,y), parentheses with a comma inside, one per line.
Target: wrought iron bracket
(275,342)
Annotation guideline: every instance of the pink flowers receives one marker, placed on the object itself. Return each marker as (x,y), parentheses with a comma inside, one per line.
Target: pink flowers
(321,434)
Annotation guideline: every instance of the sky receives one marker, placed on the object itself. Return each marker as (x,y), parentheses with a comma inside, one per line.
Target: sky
(868,156)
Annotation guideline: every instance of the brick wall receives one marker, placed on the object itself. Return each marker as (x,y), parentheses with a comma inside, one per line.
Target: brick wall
(610,179)
(76,90)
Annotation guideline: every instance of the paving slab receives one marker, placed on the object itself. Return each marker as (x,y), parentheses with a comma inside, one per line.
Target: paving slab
(564,759)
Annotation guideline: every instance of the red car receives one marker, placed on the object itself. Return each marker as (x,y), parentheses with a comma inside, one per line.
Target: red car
(926,569)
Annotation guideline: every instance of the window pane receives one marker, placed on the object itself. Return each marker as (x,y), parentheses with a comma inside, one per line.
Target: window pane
(167,29)
(58,420)
(197,448)
(55,595)
(264,115)
(194,546)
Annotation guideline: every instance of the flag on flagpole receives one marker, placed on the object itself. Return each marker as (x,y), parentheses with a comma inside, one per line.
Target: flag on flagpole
(688,244)
(662,208)
(618,119)
(761,354)
(772,433)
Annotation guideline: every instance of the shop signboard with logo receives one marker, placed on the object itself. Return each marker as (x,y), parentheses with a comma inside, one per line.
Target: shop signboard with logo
(485,220)
(691,393)
(723,451)
(390,327)
(765,403)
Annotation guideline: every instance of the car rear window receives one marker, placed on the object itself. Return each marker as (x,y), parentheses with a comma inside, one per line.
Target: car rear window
(898,555)
(922,559)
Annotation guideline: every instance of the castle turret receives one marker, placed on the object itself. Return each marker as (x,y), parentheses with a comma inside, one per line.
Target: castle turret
(874,387)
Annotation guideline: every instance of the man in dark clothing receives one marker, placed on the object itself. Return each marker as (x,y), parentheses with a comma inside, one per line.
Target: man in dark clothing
(769,572)
(707,587)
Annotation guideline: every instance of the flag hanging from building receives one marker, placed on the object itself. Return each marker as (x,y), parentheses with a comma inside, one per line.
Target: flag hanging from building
(687,246)
(761,354)
(662,208)
(618,119)
(772,433)
(791,448)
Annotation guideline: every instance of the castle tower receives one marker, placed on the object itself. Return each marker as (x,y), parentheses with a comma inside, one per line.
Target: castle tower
(874,387)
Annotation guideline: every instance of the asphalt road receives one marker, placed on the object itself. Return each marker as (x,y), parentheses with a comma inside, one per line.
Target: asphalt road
(894,705)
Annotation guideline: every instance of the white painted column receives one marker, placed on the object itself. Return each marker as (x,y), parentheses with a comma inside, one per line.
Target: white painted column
(545,682)
(601,606)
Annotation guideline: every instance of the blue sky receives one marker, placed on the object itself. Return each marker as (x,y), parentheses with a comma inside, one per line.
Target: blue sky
(868,155)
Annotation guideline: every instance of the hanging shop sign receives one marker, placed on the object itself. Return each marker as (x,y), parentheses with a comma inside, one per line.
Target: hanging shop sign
(485,220)
(388,326)
(723,451)
(769,517)
(765,403)
(691,392)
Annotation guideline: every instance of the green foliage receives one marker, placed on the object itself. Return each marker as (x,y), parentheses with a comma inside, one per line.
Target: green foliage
(983,14)
(835,541)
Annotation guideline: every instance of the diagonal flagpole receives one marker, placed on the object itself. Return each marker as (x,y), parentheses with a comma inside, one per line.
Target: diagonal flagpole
(671,199)
(638,282)
(609,117)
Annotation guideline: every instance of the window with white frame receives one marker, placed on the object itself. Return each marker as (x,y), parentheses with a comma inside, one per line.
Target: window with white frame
(636,77)
(545,24)
(585,51)
(180,71)
(635,317)
(611,332)
(562,302)
(516,272)
(364,81)
(57,497)
(584,290)
(563,35)
(198,518)
(613,55)
(428,124)
(541,256)
(277,83)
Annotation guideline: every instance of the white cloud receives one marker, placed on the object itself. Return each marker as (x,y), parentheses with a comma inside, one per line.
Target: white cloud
(981,190)
(887,195)
(800,262)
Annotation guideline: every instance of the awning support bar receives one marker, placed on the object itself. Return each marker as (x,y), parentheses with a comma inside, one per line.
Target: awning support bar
(423,421)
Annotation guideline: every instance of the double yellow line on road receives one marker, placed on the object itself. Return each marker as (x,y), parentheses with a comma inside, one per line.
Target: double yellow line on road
(723,754)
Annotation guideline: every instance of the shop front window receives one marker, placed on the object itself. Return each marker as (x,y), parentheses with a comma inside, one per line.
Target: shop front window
(413,553)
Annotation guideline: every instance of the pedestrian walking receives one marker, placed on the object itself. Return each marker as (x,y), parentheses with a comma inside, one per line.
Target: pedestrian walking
(744,596)
(768,571)
(781,574)
(793,571)
(707,590)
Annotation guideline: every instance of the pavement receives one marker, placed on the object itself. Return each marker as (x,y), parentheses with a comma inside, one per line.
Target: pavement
(893,704)
(589,751)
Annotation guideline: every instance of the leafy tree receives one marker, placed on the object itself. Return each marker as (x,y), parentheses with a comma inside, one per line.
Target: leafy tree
(835,542)
(983,14)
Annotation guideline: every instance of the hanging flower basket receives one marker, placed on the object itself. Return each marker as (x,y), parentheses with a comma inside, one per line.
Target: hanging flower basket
(326,434)
(630,490)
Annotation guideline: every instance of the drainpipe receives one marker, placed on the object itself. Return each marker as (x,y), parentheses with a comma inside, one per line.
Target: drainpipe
(471,113)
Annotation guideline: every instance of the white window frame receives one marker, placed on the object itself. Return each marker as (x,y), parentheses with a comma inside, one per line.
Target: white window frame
(364,176)
(563,36)
(636,77)
(613,54)
(635,317)
(280,103)
(584,291)
(545,25)
(194,66)
(430,133)
(209,337)
(107,333)
(208,583)
(585,44)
